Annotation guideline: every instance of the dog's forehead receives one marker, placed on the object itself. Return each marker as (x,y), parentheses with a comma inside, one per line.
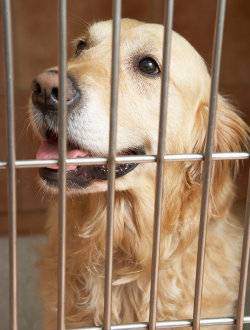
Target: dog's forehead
(134,33)
(135,36)
(101,31)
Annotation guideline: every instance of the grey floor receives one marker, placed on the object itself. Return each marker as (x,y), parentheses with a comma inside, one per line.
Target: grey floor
(29,304)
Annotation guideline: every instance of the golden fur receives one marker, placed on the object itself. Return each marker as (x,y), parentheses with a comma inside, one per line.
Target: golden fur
(139,99)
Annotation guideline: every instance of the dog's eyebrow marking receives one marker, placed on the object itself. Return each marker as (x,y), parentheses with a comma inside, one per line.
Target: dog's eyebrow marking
(84,36)
(82,43)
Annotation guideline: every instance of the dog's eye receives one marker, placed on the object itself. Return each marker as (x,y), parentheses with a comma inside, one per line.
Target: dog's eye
(149,66)
(80,46)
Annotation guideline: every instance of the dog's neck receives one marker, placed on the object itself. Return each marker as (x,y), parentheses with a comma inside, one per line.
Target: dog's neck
(133,218)
(134,221)
(133,228)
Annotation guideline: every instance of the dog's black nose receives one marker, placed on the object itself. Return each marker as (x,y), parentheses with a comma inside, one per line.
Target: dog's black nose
(45,91)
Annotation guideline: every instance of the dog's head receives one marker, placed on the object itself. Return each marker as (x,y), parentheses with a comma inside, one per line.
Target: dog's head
(88,106)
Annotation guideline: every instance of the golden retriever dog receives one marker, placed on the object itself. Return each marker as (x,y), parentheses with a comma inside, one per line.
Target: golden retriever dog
(88,105)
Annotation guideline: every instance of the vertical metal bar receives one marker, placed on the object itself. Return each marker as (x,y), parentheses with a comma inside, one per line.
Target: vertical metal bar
(167,39)
(8,60)
(244,263)
(208,163)
(62,164)
(111,162)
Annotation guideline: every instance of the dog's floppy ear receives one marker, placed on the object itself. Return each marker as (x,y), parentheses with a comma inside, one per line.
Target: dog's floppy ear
(231,135)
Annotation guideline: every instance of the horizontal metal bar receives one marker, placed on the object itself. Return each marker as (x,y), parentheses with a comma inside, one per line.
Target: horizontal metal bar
(170,324)
(34,163)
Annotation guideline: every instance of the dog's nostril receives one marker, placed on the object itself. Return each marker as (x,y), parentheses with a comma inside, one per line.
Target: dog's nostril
(46,93)
(54,93)
(37,88)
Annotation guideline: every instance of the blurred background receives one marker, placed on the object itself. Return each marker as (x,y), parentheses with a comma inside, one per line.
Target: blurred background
(36,48)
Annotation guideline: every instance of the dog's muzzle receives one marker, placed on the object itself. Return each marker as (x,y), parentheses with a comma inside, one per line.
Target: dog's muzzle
(79,176)
(84,176)
(45,100)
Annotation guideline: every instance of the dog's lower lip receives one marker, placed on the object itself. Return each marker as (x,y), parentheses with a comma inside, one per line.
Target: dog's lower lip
(83,176)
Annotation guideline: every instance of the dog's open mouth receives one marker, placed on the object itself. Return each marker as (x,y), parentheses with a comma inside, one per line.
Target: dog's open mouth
(78,176)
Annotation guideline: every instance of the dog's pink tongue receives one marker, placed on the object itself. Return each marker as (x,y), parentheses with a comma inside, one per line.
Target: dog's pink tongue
(50,151)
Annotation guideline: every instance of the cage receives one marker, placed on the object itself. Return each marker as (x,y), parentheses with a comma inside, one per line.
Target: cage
(33,29)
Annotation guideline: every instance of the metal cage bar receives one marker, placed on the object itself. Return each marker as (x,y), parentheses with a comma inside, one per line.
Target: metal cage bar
(244,263)
(208,162)
(8,61)
(111,162)
(168,24)
(33,163)
(220,321)
(62,163)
